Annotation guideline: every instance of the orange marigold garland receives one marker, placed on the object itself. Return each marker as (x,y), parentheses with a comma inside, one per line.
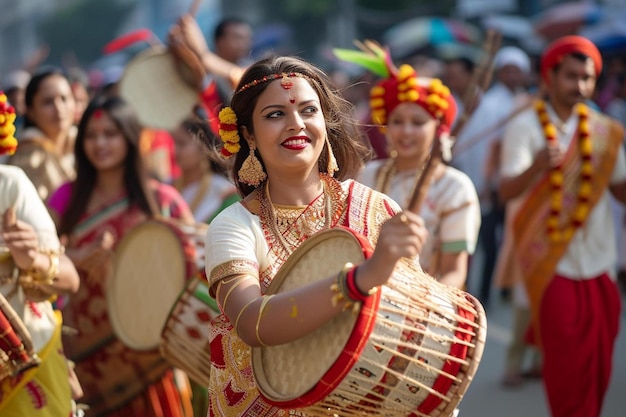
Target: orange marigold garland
(8,143)
(581,210)
(228,132)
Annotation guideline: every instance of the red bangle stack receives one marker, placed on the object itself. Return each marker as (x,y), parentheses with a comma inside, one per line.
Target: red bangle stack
(353,290)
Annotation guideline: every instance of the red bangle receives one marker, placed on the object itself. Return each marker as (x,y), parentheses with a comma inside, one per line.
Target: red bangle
(353,290)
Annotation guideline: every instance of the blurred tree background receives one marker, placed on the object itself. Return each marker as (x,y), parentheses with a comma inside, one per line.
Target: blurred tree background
(79,30)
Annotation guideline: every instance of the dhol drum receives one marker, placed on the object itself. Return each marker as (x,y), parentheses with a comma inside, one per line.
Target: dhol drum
(17,353)
(152,265)
(196,234)
(166,106)
(185,337)
(412,349)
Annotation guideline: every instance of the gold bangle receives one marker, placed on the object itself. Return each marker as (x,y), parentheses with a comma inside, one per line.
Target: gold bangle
(266,299)
(53,270)
(241,312)
(230,290)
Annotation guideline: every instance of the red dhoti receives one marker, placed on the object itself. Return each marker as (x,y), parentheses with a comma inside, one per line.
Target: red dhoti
(579,323)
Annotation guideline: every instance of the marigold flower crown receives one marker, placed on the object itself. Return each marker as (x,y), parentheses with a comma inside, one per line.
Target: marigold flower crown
(228,119)
(400,86)
(8,143)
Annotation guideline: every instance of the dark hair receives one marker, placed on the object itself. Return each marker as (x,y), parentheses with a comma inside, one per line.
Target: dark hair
(199,128)
(135,175)
(467,64)
(577,56)
(77,75)
(33,88)
(343,132)
(220,29)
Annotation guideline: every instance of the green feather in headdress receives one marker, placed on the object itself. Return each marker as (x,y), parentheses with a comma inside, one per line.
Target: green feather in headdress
(371,56)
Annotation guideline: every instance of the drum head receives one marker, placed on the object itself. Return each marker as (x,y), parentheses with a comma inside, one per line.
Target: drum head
(149,272)
(308,358)
(155,89)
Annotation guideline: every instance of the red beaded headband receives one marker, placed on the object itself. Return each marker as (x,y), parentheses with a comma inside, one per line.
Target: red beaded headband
(286,82)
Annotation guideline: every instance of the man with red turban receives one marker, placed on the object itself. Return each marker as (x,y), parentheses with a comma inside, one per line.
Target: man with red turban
(561,160)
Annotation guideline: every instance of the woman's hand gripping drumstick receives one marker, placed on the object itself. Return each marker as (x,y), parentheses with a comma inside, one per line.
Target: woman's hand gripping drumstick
(402,236)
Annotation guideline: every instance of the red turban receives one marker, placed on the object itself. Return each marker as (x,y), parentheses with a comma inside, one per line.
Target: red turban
(404,86)
(554,53)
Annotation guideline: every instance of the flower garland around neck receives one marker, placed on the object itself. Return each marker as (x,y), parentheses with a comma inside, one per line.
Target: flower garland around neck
(556,234)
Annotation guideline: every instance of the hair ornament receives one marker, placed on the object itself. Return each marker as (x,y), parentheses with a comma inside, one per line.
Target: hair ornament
(285,82)
(399,85)
(228,132)
(8,143)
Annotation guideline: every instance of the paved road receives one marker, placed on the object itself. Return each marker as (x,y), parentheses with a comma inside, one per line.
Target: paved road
(486,398)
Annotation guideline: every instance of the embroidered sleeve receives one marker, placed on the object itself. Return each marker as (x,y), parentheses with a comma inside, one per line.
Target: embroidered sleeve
(231,245)
(234,267)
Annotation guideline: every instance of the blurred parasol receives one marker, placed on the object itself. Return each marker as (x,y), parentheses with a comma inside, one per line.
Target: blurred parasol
(566,18)
(609,33)
(420,33)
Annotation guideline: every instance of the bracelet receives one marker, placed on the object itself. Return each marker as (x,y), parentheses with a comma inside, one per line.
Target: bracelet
(49,276)
(241,312)
(354,290)
(342,292)
(266,299)
(241,279)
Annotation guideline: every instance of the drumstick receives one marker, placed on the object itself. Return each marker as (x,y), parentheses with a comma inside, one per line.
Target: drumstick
(193,9)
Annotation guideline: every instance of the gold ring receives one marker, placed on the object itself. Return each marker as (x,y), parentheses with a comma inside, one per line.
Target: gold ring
(404,219)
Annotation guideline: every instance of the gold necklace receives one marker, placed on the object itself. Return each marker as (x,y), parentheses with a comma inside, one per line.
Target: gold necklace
(289,226)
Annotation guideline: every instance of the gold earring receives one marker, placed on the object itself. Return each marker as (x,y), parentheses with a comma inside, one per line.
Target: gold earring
(251,171)
(332,161)
(393,154)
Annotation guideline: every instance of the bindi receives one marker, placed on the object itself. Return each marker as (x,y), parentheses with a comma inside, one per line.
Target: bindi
(287,84)
(98,113)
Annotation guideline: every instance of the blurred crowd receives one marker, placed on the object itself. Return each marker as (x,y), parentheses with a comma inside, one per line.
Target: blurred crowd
(90,156)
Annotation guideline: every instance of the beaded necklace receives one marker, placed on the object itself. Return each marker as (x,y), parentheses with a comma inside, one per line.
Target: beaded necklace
(556,233)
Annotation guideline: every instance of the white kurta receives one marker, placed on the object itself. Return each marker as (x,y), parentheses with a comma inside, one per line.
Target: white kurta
(451,211)
(17,191)
(592,250)
(219,189)
(476,139)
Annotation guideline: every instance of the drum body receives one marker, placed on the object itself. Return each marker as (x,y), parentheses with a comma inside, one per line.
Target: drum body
(153,85)
(9,367)
(12,325)
(151,267)
(412,350)
(196,233)
(185,337)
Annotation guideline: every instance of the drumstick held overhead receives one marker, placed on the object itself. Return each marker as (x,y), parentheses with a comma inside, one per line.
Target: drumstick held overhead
(193,8)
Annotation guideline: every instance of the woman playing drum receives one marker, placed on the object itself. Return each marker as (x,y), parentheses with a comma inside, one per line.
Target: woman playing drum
(414,112)
(40,383)
(294,147)
(111,196)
